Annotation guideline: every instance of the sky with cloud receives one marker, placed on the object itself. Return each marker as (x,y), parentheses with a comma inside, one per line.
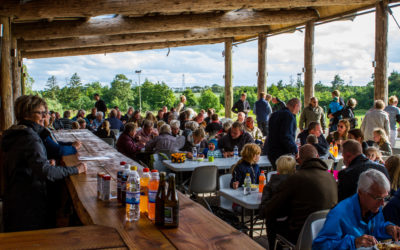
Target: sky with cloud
(343,47)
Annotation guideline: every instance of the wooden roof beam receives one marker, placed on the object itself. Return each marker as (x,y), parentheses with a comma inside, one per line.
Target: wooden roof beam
(116,48)
(95,27)
(76,8)
(184,35)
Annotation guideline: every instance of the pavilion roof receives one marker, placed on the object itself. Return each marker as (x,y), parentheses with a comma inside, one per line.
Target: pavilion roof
(50,28)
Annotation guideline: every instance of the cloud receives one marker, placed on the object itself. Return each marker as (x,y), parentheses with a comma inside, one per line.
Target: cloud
(343,47)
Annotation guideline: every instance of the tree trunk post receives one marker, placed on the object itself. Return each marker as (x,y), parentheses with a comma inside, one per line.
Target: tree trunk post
(309,63)
(228,78)
(16,71)
(6,94)
(262,64)
(381,36)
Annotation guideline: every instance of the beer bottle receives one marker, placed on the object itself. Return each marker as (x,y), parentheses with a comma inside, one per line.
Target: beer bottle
(160,199)
(171,205)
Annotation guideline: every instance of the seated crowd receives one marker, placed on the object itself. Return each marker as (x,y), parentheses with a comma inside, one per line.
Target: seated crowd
(357,217)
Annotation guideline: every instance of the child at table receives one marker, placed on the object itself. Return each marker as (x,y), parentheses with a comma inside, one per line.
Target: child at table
(380,138)
(374,155)
(247,164)
(212,149)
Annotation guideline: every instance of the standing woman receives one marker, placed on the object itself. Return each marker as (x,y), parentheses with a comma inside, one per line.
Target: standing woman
(26,169)
(181,106)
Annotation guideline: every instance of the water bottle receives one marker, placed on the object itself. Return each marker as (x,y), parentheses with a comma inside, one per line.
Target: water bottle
(247,184)
(298,143)
(194,152)
(236,153)
(133,195)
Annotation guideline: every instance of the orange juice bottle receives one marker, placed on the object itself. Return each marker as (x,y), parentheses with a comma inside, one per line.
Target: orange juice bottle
(335,150)
(153,187)
(261,181)
(331,148)
(144,190)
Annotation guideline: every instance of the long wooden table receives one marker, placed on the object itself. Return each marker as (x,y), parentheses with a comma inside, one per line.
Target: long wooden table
(198,228)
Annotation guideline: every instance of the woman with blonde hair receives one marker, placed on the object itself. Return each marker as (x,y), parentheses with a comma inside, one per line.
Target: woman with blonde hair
(286,166)
(341,134)
(381,140)
(247,164)
(104,131)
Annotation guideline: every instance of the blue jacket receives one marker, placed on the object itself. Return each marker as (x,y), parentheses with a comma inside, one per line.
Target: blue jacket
(57,150)
(392,210)
(262,109)
(282,132)
(115,123)
(344,224)
(240,171)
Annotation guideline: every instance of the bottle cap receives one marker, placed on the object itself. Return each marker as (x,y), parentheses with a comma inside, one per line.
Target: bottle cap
(262,171)
(122,163)
(154,170)
(106,177)
(134,168)
(146,170)
(247,174)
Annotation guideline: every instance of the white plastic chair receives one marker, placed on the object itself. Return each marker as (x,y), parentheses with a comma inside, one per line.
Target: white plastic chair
(269,175)
(224,182)
(316,227)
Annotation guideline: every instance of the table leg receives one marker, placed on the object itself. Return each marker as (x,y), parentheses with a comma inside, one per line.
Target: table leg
(243,216)
(251,223)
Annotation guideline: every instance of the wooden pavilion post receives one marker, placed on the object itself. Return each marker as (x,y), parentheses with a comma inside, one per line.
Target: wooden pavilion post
(309,63)
(16,71)
(6,109)
(262,56)
(228,78)
(381,43)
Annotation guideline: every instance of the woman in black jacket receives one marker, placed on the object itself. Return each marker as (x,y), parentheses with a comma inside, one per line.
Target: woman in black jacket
(26,169)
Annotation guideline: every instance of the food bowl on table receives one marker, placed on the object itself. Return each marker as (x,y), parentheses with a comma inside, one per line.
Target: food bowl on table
(178,157)
(254,187)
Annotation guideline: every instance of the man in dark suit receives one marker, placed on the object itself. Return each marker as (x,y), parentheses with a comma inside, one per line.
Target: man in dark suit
(282,132)
(100,104)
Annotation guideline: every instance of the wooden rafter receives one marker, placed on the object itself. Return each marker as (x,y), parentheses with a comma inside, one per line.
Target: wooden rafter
(59,29)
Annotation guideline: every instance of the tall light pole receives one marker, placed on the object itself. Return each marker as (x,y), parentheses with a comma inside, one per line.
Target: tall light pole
(140,95)
(299,82)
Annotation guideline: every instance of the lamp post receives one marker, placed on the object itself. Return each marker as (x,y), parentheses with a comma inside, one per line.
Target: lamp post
(140,95)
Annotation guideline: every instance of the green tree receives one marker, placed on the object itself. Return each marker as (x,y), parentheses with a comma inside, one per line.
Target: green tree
(337,82)
(217,89)
(29,81)
(209,100)
(52,88)
(120,94)
(155,96)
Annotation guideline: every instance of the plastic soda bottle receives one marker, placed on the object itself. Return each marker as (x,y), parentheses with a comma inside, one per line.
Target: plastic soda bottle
(119,180)
(153,187)
(335,150)
(144,190)
(124,179)
(133,195)
(236,152)
(331,148)
(194,152)
(247,184)
(261,181)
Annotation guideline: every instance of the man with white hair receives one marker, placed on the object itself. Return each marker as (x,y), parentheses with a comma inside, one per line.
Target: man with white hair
(358,220)
(175,127)
(98,121)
